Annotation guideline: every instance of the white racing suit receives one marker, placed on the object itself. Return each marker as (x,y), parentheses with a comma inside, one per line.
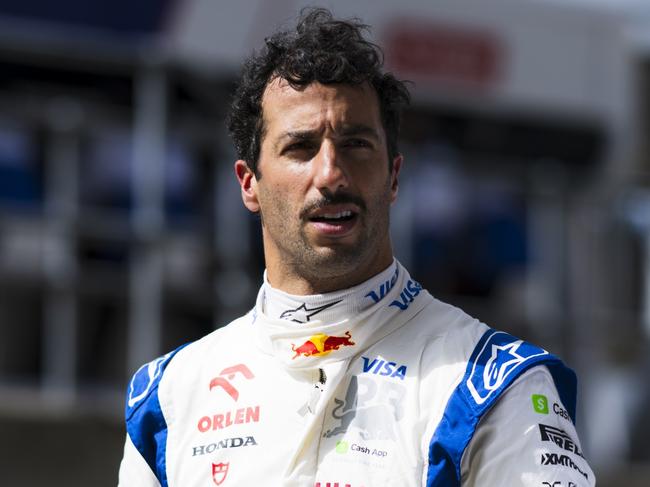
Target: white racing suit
(379,385)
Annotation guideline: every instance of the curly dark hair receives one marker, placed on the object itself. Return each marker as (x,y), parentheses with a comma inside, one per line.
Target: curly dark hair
(320,49)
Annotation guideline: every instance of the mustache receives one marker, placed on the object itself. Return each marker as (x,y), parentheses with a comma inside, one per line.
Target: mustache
(338,198)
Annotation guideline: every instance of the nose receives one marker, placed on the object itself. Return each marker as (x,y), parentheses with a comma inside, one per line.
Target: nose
(329,172)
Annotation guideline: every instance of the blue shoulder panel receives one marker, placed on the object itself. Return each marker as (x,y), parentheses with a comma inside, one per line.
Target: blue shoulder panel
(498,359)
(145,422)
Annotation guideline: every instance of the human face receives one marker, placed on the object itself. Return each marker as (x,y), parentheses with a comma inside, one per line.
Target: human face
(324,188)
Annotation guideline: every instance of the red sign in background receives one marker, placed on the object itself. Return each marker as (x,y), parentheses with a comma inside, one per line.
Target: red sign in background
(436,52)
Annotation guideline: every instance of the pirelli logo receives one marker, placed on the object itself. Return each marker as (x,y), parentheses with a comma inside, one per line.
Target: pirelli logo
(560,438)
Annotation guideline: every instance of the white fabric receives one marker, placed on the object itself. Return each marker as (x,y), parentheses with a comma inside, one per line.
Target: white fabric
(360,415)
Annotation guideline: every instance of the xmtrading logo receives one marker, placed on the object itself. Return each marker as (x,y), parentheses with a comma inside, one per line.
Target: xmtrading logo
(540,403)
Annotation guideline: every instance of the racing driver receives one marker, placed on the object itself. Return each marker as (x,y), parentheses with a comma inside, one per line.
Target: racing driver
(346,372)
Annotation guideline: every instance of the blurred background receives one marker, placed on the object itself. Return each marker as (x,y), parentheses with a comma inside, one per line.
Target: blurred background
(524,200)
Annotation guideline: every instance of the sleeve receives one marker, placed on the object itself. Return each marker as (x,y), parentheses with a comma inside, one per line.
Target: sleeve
(527,439)
(145,451)
(134,470)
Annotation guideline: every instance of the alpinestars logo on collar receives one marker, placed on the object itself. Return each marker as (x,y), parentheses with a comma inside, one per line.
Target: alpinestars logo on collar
(302,314)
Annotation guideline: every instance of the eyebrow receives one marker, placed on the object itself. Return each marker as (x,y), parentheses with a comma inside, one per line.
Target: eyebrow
(346,131)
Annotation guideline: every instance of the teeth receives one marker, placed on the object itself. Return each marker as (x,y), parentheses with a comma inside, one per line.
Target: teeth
(341,214)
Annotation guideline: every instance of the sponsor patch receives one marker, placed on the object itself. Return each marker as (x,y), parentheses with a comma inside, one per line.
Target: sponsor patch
(561,412)
(540,403)
(379,366)
(378,294)
(321,345)
(220,472)
(236,442)
(224,420)
(500,356)
(559,437)
(303,314)
(228,374)
(408,295)
(564,460)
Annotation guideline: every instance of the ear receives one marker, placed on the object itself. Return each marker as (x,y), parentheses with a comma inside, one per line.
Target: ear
(394,177)
(248,185)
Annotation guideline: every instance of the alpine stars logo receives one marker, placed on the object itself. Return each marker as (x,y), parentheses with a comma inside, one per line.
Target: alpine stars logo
(303,314)
(498,358)
(503,359)
(408,294)
(379,366)
(384,288)
(236,442)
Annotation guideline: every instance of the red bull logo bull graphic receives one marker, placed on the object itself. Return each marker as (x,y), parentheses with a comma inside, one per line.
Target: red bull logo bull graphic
(321,344)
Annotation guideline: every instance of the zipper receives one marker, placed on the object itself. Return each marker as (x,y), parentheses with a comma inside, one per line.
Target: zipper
(317,391)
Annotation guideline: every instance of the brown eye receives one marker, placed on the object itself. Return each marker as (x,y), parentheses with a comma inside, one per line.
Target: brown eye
(357,143)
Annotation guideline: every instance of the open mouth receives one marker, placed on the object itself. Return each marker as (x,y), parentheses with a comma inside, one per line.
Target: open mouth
(334,218)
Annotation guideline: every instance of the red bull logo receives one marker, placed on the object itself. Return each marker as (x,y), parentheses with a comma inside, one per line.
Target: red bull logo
(321,344)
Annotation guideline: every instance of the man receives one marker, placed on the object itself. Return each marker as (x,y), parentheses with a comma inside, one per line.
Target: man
(346,372)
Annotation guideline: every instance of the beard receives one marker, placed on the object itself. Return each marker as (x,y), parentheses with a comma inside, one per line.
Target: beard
(316,261)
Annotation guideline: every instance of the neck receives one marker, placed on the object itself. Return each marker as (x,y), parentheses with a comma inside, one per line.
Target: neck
(331,306)
(293,278)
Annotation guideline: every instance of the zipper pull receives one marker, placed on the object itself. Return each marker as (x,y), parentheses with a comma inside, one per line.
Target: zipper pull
(310,405)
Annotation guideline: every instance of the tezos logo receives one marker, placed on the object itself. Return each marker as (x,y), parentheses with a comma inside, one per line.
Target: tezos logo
(379,366)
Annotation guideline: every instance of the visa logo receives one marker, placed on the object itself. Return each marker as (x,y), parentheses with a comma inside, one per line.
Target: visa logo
(382,291)
(408,294)
(379,366)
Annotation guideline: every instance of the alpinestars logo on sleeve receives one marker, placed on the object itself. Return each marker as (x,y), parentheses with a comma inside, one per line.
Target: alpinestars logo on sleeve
(500,356)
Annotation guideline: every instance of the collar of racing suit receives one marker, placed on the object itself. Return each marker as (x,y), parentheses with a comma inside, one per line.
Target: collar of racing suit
(310,331)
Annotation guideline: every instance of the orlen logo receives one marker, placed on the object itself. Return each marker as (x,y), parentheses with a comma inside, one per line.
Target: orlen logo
(228,374)
(408,294)
(379,366)
(222,421)
(382,291)
(321,344)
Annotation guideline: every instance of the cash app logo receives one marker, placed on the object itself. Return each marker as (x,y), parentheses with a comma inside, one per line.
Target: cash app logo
(341,447)
(540,403)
